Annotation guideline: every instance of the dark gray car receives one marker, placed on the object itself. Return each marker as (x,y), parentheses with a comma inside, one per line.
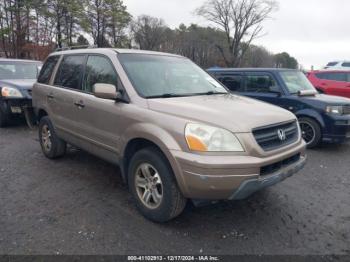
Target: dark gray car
(16,80)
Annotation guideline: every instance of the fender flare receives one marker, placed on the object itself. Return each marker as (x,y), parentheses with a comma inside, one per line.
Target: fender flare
(158,136)
(311,114)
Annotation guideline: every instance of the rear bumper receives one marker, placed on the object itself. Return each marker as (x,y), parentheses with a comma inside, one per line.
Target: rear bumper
(204,177)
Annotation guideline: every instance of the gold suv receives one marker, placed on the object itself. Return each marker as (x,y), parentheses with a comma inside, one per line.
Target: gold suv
(176,133)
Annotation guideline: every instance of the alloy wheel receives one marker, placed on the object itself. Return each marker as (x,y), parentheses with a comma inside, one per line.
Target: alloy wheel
(149,186)
(308,132)
(46,138)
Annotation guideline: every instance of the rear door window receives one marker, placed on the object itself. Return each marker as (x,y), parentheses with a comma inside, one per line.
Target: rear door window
(261,83)
(233,82)
(99,69)
(70,71)
(46,71)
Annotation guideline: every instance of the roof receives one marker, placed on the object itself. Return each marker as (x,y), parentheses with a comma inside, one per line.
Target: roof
(109,50)
(330,71)
(339,61)
(18,60)
(249,69)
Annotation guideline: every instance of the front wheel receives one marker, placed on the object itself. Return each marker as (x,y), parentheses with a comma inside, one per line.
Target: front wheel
(152,183)
(311,131)
(51,145)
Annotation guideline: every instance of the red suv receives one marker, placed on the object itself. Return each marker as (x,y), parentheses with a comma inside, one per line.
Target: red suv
(331,82)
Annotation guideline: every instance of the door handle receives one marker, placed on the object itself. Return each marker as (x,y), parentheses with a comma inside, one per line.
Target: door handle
(79,104)
(50,96)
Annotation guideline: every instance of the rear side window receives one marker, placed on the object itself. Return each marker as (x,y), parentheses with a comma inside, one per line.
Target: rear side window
(346,64)
(70,72)
(332,63)
(335,76)
(261,84)
(46,71)
(99,69)
(233,82)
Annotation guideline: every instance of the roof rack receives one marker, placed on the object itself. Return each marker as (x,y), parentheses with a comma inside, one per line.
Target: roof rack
(74,47)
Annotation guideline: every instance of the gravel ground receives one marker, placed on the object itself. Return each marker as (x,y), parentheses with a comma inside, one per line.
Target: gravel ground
(78,205)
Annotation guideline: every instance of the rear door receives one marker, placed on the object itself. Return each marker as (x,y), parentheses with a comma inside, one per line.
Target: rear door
(233,81)
(66,90)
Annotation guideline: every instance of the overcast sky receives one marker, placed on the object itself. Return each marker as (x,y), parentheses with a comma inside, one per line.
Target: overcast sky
(313,31)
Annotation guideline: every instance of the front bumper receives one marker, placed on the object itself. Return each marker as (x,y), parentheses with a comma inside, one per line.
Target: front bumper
(16,106)
(204,177)
(338,130)
(250,186)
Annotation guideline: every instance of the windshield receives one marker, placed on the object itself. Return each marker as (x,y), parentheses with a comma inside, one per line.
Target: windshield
(18,70)
(296,81)
(165,76)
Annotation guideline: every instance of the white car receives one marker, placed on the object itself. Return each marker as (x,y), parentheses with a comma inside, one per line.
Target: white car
(338,65)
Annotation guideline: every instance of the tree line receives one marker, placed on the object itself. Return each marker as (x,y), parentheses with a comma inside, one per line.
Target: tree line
(34,28)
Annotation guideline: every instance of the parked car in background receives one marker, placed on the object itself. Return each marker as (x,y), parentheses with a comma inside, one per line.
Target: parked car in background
(175,131)
(16,81)
(331,82)
(321,117)
(338,65)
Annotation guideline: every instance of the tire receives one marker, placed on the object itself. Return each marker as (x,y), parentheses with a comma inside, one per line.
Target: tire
(165,202)
(311,131)
(51,145)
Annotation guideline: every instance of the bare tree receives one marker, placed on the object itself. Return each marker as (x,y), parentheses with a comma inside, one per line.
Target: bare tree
(148,32)
(242,22)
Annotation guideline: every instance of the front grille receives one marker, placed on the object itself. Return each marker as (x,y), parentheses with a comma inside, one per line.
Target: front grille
(29,91)
(269,139)
(269,169)
(346,110)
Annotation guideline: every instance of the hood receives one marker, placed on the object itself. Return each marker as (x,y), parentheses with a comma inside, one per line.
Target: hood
(232,112)
(18,83)
(326,99)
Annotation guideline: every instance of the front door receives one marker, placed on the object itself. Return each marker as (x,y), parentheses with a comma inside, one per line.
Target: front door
(263,86)
(98,118)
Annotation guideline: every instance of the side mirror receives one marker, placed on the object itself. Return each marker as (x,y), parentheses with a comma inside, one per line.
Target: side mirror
(307,92)
(106,91)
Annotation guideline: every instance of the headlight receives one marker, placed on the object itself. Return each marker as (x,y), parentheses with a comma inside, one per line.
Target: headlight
(335,110)
(206,138)
(11,92)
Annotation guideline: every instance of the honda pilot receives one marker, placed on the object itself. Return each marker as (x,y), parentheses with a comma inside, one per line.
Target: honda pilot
(176,132)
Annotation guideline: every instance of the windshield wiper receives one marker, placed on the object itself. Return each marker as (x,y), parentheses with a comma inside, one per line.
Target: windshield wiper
(167,95)
(209,93)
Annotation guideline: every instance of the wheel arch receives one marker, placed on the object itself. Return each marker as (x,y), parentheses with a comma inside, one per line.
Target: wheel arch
(145,135)
(313,115)
(40,113)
